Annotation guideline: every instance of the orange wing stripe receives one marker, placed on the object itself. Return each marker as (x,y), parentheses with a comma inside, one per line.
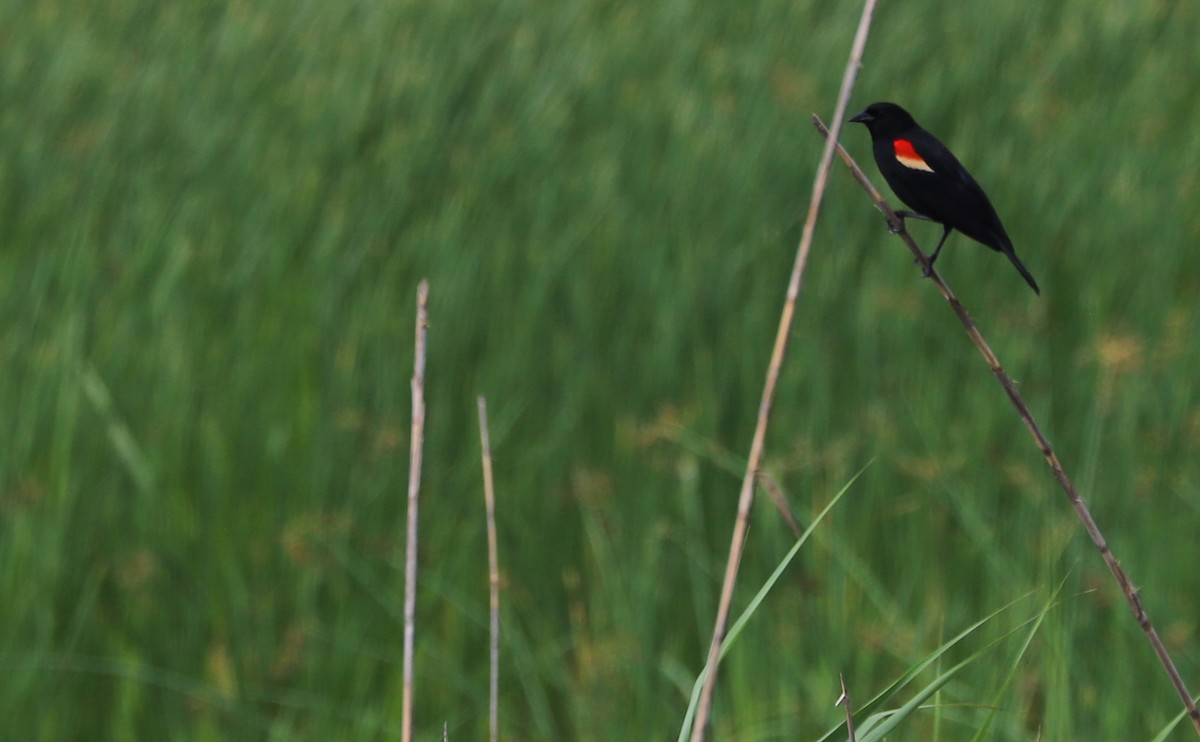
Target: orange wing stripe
(907,156)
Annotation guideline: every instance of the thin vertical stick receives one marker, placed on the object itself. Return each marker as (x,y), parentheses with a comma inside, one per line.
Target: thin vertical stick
(844,701)
(489,499)
(768,397)
(1043,443)
(414,487)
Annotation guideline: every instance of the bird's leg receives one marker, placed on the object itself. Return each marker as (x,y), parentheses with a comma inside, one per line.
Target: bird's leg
(906,215)
(945,233)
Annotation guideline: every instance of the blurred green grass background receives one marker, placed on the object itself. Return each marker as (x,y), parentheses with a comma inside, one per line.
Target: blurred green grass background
(213,218)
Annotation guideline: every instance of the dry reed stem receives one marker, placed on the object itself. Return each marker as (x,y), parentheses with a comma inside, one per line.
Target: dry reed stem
(844,701)
(489,498)
(746,497)
(1081,509)
(414,487)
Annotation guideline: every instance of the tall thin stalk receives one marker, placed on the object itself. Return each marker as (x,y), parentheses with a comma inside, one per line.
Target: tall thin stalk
(746,497)
(415,446)
(489,500)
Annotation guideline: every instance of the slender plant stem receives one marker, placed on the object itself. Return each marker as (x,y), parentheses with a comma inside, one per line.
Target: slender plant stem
(844,701)
(489,498)
(1081,509)
(414,487)
(746,497)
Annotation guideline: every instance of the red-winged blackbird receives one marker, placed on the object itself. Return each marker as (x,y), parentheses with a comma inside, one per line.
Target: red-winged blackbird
(931,181)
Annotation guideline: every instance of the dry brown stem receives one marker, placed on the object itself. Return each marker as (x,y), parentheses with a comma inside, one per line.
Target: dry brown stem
(746,497)
(844,701)
(489,499)
(414,487)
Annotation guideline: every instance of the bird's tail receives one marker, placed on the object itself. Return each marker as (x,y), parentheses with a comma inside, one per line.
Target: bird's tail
(1012,255)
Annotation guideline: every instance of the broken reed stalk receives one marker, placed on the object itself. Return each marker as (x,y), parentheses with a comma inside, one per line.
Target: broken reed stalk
(489,500)
(746,498)
(416,443)
(844,701)
(1081,509)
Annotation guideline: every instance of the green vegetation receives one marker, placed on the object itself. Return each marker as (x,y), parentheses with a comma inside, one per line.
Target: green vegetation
(213,218)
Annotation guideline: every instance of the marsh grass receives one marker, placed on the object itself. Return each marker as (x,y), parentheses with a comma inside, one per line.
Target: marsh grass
(217,215)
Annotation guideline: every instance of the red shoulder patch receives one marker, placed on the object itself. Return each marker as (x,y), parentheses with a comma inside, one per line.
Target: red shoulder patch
(907,155)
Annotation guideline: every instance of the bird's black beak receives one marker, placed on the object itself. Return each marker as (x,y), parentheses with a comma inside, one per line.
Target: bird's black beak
(862,118)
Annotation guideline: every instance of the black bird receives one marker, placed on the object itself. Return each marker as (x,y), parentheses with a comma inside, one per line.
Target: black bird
(931,181)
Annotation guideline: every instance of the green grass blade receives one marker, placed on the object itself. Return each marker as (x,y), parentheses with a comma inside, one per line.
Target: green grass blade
(740,623)
(1012,671)
(912,673)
